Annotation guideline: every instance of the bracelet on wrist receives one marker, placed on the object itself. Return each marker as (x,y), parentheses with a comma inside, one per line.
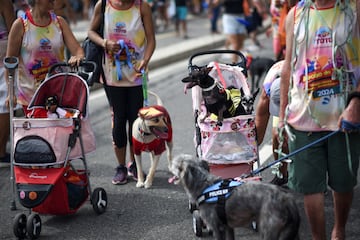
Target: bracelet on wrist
(352,95)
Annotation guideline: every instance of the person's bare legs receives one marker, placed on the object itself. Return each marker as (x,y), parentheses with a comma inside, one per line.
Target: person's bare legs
(342,205)
(236,41)
(132,158)
(164,16)
(177,27)
(4,133)
(262,116)
(184,28)
(314,209)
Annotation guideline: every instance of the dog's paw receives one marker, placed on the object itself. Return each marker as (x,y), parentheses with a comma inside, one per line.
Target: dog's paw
(140,184)
(148,184)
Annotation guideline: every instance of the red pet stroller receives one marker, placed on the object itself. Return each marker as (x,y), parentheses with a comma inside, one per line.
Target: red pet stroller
(230,148)
(48,154)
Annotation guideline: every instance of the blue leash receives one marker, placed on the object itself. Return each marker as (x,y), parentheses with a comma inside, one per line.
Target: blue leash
(119,63)
(345,125)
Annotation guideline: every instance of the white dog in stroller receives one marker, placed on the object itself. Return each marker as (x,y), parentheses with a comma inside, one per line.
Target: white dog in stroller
(224,205)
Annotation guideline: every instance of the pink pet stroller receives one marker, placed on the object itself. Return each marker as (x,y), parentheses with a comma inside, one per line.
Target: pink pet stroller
(49,169)
(230,148)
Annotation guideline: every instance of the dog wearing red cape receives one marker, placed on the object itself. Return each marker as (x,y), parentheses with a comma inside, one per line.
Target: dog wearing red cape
(151,132)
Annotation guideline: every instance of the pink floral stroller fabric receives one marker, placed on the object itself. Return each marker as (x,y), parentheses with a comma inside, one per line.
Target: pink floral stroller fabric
(233,142)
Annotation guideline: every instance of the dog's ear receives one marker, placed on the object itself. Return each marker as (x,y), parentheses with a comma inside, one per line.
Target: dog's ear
(149,112)
(256,93)
(242,94)
(207,70)
(205,165)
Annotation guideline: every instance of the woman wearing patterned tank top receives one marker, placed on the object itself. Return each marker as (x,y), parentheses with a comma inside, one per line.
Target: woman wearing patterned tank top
(128,42)
(38,38)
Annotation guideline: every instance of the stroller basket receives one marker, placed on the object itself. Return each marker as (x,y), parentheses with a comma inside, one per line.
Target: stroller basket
(52,190)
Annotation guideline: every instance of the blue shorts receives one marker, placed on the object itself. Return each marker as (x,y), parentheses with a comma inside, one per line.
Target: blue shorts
(181,13)
(232,25)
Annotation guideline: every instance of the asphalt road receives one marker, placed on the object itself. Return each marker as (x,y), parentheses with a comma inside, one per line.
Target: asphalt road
(157,213)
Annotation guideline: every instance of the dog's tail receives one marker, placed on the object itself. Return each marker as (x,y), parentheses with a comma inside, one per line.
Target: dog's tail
(158,99)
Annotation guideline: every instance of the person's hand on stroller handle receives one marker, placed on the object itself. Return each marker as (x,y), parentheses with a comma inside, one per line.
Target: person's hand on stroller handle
(76,60)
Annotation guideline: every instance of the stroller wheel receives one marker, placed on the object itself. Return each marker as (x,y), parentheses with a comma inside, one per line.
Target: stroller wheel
(192,207)
(99,200)
(254,226)
(33,226)
(198,224)
(19,225)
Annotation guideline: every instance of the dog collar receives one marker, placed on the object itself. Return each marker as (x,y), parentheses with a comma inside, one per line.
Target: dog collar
(211,87)
(213,193)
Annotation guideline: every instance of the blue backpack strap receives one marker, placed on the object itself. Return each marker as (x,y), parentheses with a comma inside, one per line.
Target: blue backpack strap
(118,63)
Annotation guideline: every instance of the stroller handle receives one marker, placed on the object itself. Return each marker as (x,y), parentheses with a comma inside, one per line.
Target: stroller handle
(85,69)
(11,63)
(242,62)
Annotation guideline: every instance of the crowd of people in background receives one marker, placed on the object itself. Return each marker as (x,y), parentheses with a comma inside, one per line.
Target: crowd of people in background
(165,13)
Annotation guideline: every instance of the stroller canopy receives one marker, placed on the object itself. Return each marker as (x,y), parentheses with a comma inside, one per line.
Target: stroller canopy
(69,88)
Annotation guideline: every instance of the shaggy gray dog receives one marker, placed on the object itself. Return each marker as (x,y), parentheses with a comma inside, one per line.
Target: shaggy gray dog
(274,209)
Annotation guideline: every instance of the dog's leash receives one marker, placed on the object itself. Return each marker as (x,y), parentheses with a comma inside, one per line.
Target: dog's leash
(222,80)
(144,87)
(345,125)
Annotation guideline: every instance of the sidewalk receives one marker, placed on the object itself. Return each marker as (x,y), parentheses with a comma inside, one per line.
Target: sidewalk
(170,48)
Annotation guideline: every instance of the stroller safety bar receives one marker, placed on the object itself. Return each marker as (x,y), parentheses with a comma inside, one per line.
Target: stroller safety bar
(85,70)
(242,62)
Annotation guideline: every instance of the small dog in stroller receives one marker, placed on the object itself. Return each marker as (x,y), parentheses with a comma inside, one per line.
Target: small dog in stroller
(223,102)
(226,204)
(53,110)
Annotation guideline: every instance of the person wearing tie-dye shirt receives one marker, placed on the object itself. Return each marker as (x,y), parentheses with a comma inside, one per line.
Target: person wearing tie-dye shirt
(320,95)
(128,42)
(38,38)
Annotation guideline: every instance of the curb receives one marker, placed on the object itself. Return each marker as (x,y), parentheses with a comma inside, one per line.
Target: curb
(170,54)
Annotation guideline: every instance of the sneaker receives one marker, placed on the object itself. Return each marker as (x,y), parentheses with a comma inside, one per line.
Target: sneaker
(120,176)
(279,181)
(132,170)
